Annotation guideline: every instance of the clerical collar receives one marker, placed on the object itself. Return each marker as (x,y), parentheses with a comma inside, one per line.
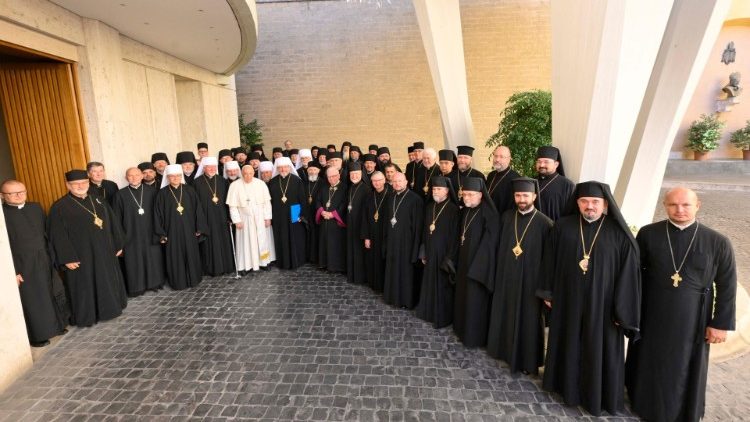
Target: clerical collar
(188,174)
(531,209)
(400,192)
(20,207)
(135,187)
(682,227)
(590,221)
(98,185)
(503,171)
(547,177)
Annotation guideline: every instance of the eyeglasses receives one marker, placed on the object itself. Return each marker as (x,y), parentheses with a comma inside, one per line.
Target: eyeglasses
(15,193)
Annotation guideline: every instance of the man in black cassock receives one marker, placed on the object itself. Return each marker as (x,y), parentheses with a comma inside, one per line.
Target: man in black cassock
(330,215)
(98,185)
(187,160)
(447,163)
(216,250)
(313,184)
(592,283)
(425,173)
(373,230)
(160,161)
(475,274)
(358,193)
(149,175)
(404,212)
(142,259)
(689,293)
(86,240)
(39,286)
(370,166)
(499,179)
(555,190)
(438,254)
(464,170)
(516,333)
(179,223)
(411,168)
(287,190)
(384,157)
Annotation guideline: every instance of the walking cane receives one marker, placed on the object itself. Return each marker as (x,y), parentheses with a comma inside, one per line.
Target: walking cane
(234,253)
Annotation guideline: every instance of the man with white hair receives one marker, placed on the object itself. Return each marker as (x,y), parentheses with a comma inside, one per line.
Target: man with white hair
(266,169)
(289,205)
(250,209)
(425,173)
(231,171)
(216,249)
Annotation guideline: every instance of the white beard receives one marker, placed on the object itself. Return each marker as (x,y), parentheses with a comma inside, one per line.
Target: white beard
(313,178)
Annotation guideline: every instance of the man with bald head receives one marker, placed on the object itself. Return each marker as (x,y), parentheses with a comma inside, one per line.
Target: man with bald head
(36,276)
(689,293)
(499,184)
(142,259)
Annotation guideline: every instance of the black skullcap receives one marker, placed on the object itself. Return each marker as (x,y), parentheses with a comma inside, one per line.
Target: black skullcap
(323,152)
(257,148)
(355,148)
(256,156)
(277,149)
(372,147)
(590,189)
(465,150)
(384,150)
(353,166)
(159,156)
(185,157)
(346,144)
(146,166)
(446,155)
(202,145)
(473,184)
(314,147)
(335,154)
(224,153)
(369,157)
(440,182)
(410,149)
(524,184)
(418,145)
(331,147)
(314,164)
(294,151)
(74,175)
(548,151)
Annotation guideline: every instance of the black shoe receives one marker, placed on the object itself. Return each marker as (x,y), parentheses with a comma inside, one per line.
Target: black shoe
(40,343)
(64,331)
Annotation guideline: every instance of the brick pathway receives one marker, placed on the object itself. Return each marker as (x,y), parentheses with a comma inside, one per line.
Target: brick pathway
(304,345)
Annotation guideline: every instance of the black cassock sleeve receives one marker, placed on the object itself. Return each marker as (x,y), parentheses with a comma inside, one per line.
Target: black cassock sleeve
(416,230)
(63,248)
(160,227)
(547,274)
(627,297)
(725,287)
(115,227)
(482,267)
(201,221)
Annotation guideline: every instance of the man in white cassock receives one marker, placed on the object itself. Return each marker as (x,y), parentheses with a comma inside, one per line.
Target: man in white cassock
(250,210)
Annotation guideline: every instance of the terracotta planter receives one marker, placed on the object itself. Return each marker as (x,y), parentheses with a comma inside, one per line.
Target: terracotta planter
(746,154)
(700,156)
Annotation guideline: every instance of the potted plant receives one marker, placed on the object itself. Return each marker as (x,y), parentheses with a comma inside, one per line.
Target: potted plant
(704,135)
(251,132)
(741,139)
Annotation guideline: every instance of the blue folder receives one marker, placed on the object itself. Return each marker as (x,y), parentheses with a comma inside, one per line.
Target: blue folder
(294,211)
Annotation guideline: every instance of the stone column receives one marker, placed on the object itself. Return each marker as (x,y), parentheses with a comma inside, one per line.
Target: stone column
(440,25)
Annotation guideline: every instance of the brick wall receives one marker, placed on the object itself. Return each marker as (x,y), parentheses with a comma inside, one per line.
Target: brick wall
(329,71)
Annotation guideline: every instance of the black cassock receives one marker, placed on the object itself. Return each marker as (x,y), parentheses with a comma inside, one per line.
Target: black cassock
(554,195)
(288,236)
(332,251)
(516,333)
(459,178)
(373,228)
(106,190)
(142,258)
(667,368)
(313,230)
(355,248)
(411,172)
(45,314)
(190,179)
(216,250)
(439,248)
(475,273)
(183,258)
(96,289)
(403,214)
(585,352)
(422,180)
(501,190)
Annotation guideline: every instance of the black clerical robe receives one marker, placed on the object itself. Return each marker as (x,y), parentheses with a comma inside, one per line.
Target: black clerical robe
(411,172)
(439,249)
(332,253)
(96,289)
(554,195)
(590,312)
(288,236)
(183,258)
(516,333)
(373,229)
(142,258)
(313,230)
(105,190)
(475,274)
(501,190)
(355,249)
(422,179)
(190,178)
(667,367)
(404,213)
(45,313)
(460,179)
(216,251)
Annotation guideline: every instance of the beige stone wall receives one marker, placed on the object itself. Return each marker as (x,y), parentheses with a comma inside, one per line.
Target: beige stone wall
(325,72)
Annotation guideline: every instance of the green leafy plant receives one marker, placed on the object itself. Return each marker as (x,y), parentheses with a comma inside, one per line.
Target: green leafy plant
(704,133)
(525,125)
(741,137)
(251,133)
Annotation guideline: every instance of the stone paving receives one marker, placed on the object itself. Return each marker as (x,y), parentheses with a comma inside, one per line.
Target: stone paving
(305,345)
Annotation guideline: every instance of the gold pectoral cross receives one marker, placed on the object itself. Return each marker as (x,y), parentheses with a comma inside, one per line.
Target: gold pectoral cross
(676,279)
(517,251)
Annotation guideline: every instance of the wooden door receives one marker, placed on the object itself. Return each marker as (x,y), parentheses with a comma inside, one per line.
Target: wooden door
(45,126)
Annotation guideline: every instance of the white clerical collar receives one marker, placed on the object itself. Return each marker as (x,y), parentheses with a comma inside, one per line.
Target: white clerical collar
(531,209)
(682,226)
(20,207)
(135,187)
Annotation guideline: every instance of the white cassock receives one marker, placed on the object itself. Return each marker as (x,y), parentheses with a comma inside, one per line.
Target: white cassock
(250,204)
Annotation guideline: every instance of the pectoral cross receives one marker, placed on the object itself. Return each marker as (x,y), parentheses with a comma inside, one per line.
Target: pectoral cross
(676,279)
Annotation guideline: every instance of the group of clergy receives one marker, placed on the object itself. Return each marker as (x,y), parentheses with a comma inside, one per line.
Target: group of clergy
(498,257)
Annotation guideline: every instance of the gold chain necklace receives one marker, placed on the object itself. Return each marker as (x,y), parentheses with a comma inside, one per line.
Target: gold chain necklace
(460,185)
(396,207)
(377,205)
(284,189)
(331,192)
(140,205)
(494,185)
(584,263)
(517,251)
(467,225)
(97,221)
(426,187)
(352,195)
(676,278)
(548,183)
(214,198)
(434,217)
(310,191)
(414,171)
(180,208)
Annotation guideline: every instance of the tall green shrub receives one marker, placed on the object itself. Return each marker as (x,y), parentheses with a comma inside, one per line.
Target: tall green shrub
(250,132)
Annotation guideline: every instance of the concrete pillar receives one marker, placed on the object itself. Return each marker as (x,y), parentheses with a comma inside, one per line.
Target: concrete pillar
(602,55)
(191,112)
(440,26)
(15,353)
(690,35)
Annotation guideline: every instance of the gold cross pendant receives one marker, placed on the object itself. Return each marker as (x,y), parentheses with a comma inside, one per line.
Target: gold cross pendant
(676,279)
(517,251)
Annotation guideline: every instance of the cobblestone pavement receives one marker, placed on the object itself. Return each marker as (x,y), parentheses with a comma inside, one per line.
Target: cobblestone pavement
(303,345)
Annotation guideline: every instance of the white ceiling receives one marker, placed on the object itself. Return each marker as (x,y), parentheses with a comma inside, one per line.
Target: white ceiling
(202,32)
